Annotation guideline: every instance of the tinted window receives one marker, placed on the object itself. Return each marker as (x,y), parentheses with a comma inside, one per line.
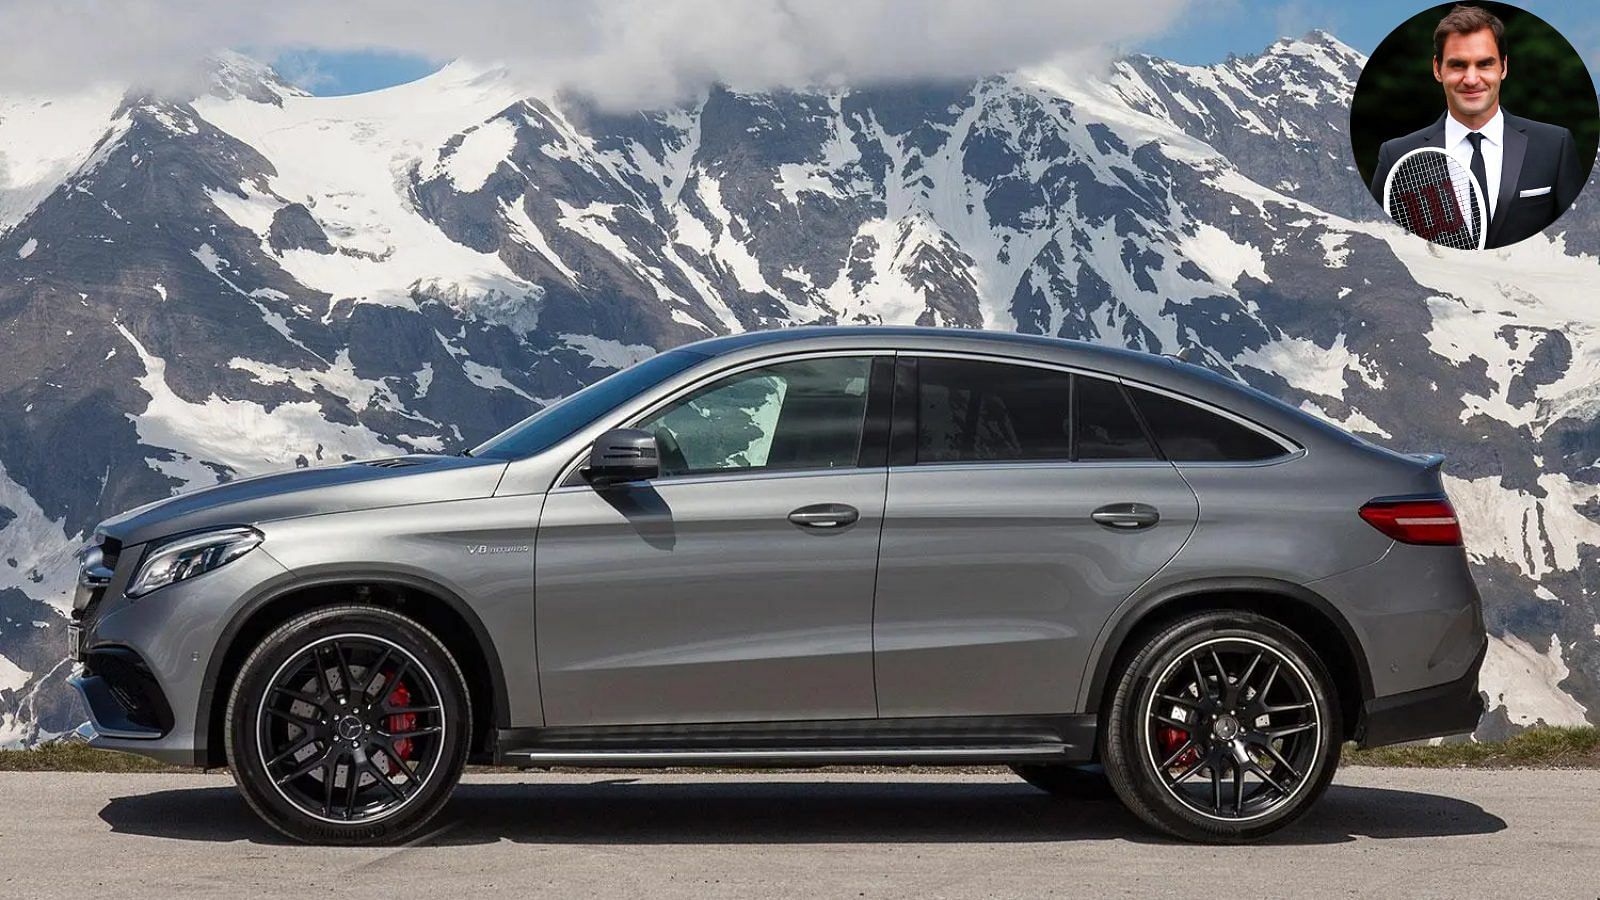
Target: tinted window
(991,411)
(806,414)
(1107,427)
(545,428)
(1188,433)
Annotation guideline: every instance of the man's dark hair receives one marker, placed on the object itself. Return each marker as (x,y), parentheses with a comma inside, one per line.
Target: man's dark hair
(1466,20)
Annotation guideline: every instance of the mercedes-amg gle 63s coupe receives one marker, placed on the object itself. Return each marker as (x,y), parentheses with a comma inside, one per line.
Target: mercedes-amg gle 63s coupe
(815,546)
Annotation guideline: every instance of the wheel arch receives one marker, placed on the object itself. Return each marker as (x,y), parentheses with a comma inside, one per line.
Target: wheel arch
(434,606)
(1297,608)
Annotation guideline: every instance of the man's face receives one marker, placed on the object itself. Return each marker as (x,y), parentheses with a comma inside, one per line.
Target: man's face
(1471,70)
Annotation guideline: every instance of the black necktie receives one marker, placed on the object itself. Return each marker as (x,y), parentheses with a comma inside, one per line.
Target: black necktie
(1478,170)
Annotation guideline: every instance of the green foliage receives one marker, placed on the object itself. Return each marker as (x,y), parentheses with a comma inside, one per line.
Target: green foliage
(1546,80)
(72,756)
(1544,747)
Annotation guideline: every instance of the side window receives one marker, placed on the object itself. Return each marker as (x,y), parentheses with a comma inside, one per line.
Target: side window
(1188,433)
(1107,426)
(970,410)
(806,414)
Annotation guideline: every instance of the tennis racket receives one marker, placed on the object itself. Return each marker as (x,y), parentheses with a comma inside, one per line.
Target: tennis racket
(1433,196)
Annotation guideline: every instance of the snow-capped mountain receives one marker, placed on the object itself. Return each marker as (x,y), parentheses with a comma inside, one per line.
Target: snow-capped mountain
(202,288)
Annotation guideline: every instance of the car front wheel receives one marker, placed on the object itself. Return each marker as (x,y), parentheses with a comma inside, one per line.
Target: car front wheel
(348,725)
(1223,727)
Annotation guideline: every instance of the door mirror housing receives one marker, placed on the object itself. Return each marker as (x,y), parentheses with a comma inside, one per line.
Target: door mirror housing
(622,455)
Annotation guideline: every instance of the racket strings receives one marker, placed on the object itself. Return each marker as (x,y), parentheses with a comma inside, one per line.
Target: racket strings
(1431,195)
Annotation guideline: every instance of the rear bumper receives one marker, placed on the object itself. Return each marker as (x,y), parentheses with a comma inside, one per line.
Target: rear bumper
(1450,708)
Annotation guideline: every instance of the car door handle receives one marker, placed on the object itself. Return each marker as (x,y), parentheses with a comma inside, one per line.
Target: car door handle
(1126,516)
(825,515)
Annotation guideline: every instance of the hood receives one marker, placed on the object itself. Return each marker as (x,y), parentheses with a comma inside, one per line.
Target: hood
(372,484)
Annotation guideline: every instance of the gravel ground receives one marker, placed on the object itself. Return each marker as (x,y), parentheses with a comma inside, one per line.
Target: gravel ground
(1388,832)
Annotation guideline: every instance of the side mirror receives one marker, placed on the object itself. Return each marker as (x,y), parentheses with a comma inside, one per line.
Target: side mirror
(622,455)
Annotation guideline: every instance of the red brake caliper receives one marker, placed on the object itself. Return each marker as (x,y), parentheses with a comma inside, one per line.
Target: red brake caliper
(1173,738)
(401,722)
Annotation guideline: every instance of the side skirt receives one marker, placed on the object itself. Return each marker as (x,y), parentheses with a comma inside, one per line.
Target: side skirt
(881,742)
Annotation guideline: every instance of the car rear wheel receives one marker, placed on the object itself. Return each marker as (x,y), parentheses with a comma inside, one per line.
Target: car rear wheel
(348,725)
(1222,728)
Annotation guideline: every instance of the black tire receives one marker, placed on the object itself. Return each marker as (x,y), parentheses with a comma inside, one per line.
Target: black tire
(1068,782)
(379,698)
(1172,718)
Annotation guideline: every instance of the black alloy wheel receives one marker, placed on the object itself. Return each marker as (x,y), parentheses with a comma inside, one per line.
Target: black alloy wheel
(1222,727)
(1234,731)
(348,725)
(353,726)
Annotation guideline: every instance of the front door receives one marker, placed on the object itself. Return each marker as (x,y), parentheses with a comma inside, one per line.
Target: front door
(738,585)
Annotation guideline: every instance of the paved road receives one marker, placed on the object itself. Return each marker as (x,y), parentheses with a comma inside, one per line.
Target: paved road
(1392,833)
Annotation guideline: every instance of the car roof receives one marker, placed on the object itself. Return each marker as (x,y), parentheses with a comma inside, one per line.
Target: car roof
(907,337)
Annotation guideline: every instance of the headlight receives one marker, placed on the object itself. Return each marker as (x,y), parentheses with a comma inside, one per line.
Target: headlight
(189,556)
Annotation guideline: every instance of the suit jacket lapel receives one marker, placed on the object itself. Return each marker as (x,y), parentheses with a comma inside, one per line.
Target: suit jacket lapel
(1516,146)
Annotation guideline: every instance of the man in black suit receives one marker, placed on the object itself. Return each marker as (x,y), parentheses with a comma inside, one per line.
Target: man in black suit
(1528,171)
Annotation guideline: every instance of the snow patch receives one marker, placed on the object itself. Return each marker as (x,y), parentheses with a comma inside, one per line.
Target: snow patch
(524,229)
(608,354)
(1315,369)
(1538,535)
(479,154)
(514,304)
(1524,680)
(339,379)
(491,379)
(1221,257)
(1334,251)
(351,161)
(43,140)
(254,211)
(41,547)
(1356,421)
(12,676)
(239,435)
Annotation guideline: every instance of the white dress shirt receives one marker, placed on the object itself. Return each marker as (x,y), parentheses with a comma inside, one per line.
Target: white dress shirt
(1494,149)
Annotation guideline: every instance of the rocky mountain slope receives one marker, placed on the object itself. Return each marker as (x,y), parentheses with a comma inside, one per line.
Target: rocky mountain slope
(201,288)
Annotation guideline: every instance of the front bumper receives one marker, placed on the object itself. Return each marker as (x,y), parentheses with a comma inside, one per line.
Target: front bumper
(145,660)
(123,696)
(1445,709)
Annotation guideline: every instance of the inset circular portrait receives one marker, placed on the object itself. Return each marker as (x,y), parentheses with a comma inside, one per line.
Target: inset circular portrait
(1475,125)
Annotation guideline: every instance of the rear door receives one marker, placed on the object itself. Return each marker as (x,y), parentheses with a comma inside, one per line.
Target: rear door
(1024,503)
(738,585)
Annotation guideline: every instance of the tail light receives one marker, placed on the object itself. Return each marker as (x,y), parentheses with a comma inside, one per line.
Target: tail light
(1414,520)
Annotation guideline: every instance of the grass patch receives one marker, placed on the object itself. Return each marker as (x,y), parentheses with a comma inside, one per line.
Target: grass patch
(1542,748)
(74,756)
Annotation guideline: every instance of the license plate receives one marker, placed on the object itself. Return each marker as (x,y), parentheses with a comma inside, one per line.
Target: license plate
(74,640)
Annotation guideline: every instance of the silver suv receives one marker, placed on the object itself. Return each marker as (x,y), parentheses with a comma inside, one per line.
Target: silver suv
(815,546)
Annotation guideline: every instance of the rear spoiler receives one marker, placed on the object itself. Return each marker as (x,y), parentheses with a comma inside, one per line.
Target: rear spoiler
(1431,462)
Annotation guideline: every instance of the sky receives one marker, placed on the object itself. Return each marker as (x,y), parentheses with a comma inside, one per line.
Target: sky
(646,52)
(1208,30)
(1205,32)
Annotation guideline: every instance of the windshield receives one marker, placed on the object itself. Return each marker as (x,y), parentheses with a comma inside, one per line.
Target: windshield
(558,421)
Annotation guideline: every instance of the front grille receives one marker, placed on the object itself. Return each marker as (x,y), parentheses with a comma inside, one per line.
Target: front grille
(111,551)
(131,685)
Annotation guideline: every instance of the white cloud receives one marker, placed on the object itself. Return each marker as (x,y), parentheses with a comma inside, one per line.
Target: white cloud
(623,52)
